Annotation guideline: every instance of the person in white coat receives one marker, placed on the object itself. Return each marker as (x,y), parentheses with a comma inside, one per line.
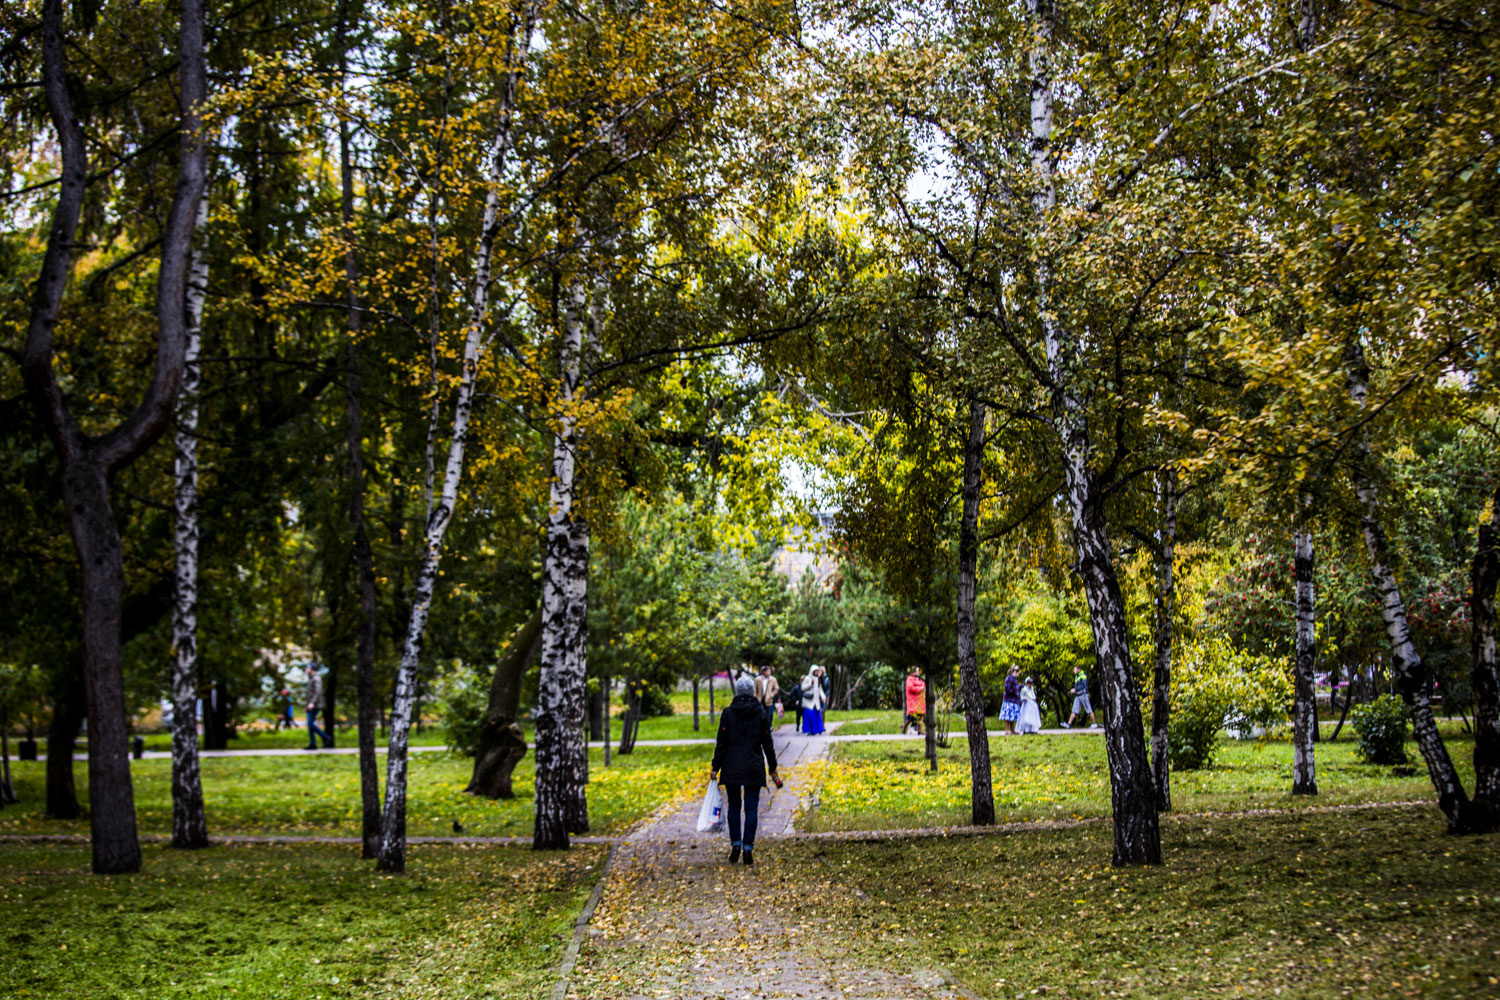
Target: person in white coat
(814,698)
(1031,712)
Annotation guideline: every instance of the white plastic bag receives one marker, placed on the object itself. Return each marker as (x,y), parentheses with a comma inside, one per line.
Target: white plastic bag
(711,813)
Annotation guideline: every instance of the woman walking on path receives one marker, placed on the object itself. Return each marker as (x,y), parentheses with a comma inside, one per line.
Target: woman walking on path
(1010,708)
(813,700)
(1031,712)
(744,738)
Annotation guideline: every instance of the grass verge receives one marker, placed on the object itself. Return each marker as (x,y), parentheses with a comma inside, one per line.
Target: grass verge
(1367,902)
(319,794)
(279,922)
(873,786)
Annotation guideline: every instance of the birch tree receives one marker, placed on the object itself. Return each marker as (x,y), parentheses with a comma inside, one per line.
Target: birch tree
(189,822)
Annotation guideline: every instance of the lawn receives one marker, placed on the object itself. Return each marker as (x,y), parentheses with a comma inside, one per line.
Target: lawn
(887,785)
(1370,902)
(319,794)
(289,922)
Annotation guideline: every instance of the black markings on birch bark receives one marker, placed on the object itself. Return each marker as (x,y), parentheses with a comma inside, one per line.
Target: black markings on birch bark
(189,822)
(1137,832)
(981,792)
(561,796)
(392,854)
(1413,681)
(1165,607)
(1304,716)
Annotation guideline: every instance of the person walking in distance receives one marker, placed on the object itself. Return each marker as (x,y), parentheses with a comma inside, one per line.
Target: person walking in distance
(743,752)
(814,698)
(1081,701)
(916,703)
(314,706)
(1010,708)
(768,693)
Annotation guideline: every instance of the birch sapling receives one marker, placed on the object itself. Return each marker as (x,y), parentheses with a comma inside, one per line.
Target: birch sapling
(1484,574)
(189,821)
(1304,718)
(1165,607)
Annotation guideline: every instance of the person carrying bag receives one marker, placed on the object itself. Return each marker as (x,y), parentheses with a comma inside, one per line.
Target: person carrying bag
(744,739)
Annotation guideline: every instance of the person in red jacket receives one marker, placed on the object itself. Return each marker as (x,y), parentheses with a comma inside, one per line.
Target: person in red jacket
(916,703)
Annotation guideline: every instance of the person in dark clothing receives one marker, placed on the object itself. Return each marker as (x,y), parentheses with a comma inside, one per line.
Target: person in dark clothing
(744,739)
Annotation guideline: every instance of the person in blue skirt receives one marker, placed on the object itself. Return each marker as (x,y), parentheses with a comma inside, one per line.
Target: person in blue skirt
(814,698)
(744,739)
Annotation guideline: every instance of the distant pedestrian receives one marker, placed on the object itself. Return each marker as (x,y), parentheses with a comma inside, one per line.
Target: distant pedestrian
(1031,713)
(1081,703)
(768,693)
(916,703)
(796,701)
(286,716)
(1010,706)
(814,698)
(744,739)
(314,706)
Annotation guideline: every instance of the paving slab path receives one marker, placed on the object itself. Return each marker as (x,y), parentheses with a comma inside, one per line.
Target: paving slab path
(676,920)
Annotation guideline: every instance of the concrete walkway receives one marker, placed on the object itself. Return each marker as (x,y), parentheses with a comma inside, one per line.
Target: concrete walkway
(676,920)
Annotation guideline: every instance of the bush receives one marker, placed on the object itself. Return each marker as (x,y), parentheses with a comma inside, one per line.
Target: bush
(1215,681)
(463,698)
(1381,726)
(655,701)
(881,688)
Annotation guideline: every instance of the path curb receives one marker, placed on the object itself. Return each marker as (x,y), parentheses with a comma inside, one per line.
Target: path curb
(580,929)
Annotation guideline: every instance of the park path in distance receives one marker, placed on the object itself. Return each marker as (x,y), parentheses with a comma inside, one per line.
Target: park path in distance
(677,921)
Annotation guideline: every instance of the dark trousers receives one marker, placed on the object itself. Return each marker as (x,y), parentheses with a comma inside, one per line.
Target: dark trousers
(751,796)
(770,711)
(313,732)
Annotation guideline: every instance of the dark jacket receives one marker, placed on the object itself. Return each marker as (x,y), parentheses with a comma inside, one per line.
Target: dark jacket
(744,737)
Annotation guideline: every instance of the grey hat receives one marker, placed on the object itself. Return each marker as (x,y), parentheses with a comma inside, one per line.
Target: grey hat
(744,684)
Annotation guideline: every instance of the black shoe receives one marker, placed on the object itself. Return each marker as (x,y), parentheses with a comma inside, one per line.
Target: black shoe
(748,859)
(734,854)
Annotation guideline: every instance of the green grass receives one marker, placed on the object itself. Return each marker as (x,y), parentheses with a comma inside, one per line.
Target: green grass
(880,721)
(319,794)
(887,785)
(1369,902)
(290,739)
(289,922)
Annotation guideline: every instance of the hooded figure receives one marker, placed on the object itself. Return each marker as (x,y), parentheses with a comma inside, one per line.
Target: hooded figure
(814,698)
(743,752)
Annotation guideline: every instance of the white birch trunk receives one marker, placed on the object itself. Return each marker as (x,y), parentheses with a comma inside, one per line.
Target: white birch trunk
(1484,573)
(189,822)
(1412,681)
(1133,795)
(1304,715)
(392,855)
(561,796)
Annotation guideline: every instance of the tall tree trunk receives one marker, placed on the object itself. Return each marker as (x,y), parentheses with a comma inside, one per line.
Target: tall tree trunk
(88,461)
(981,793)
(62,734)
(1304,716)
(929,713)
(596,714)
(189,821)
(1413,682)
(608,722)
(695,704)
(631,724)
(561,797)
(1166,611)
(364,560)
(1133,795)
(501,741)
(1348,700)
(1483,576)
(7,788)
